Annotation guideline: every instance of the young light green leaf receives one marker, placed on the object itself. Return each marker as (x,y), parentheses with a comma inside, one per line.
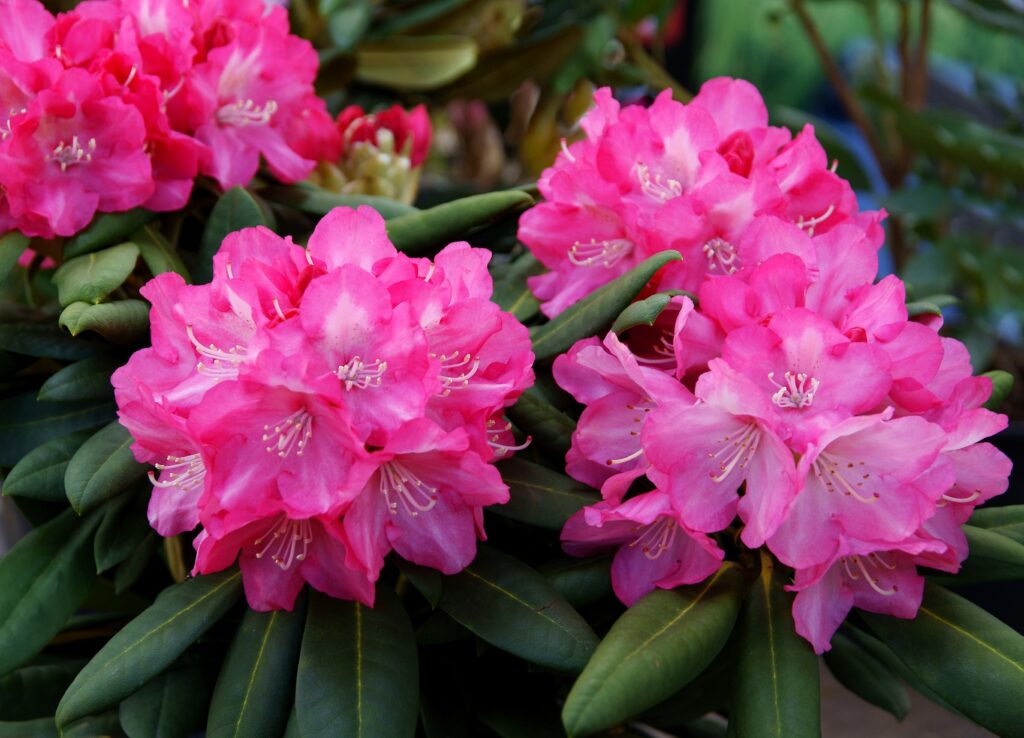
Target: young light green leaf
(657,647)
(92,277)
(88,379)
(149,643)
(866,676)
(103,468)
(415,62)
(418,233)
(1002,383)
(550,429)
(593,314)
(511,606)
(171,705)
(106,230)
(26,423)
(120,321)
(235,210)
(642,312)
(40,474)
(539,496)
(358,670)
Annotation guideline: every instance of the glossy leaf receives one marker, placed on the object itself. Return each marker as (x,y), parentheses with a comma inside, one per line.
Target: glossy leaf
(656,648)
(26,423)
(642,312)
(43,580)
(550,429)
(46,340)
(40,474)
(88,379)
(539,496)
(159,255)
(235,210)
(103,468)
(580,581)
(121,321)
(106,230)
(92,277)
(358,670)
(1007,520)
(38,728)
(1002,383)
(426,580)
(171,705)
(129,570)
(511,606)
(776,688)
(992,557)
(310,199)
(965,655)
(253,696)
(512,292)
(415,62)
(149,643)
(123,528)
(595,313)
(12,246)
(34,690)
(866,676)
(418,233)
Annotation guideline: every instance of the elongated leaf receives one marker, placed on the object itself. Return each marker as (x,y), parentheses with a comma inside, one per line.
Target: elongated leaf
(314,200)
(993,557)
(969,658)
(235,210)
(426,580)
(106,230)
(643,312)
(1002,383)
(40,474)
(39,728)
(129,570)
(541,497)
(12,246)
(866,676)
(88,379)
(358,671)
(415,62)
(103,468)
(43,579)
(171,705)
(511,606)
(657,647)
(776,692)
(46,340)
(580,581)
(551,430)
(123,528)
(595,313)
(33,691)
(512,292)
(417,233)
(1007,520)
(121,321)
(253,696)
(92,277)
(149,643)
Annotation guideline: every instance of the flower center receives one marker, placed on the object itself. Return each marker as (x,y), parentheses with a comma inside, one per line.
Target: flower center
(68,155)
(287,541)
(832,473)
(360,375)
(187,473)
(246,113)
(663,349)
(797,392)
(721,255)
(291,434)
(457,369)
(221,364)
(657,537)
(401,487)
(603,253)
(737,449)
(654,186)
(856,569)
(809,224)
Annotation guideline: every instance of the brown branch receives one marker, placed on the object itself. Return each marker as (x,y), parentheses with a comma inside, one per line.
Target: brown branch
(919,93)
(906,65)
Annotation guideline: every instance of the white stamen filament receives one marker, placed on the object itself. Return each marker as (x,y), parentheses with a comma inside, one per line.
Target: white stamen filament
(168,94)
(829,472)
(626,459)
(654,186)
(664,348)
(399,485)
(603,253)
(963,500)
(246,113)
(223,364)
(797,392)
(287,541)
(291,434)
(494,437)
(309,259)
(360,375)
(568,154)
(657,537)
(68,155)
(861,570)
(721,255)
(456,372)
(5,129)
(811,223)
(131,75)
(430,273)
(187,473)
(738,449)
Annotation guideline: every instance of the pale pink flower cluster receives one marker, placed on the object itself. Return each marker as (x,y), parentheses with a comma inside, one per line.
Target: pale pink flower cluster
(313,409)
(796,404)
(692,178)
(121,103)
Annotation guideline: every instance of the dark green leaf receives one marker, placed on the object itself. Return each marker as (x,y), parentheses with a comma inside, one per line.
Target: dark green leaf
(642,312)
(1001,16)
(965,655)
(541,497)
(92,277)
(159,255)
(593,314)
(103,468)
(149,643)
(88,379)
(26,423)
(511,291)
(414,62)
(923,307)
(120,321)
(511,606)
(657,647)
(866,676)
(129,570)
(1007,520)
(235,210)
(1002,383)
(992,557)
(40,728)
(776,690)
(171,705)
(551,430)
(580,581)
(426,580)
(33,691)
(12,246)
(123,528)
(420,232)
(358,671)
(253,696)
(314,200)
(40,474)
(43,579)
(46,340)
(106,230)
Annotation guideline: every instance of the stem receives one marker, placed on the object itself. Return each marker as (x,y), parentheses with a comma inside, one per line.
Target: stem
(919,91)
(175,558)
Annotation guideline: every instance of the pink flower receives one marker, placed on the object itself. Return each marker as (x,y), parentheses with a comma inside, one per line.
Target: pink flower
(406,133)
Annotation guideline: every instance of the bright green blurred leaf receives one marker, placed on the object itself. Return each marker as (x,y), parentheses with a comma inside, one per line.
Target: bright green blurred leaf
(1002,383)
(415,63)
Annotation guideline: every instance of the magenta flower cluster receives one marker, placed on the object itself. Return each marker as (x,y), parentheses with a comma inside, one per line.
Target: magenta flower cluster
(122,103)
(792,402)
(313,409)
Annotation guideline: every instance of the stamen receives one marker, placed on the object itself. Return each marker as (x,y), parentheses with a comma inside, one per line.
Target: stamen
(657,537)
(131,75)
(287,541)
(496,436)
(654,186)
(721,255)
(246,113)
(456,372)
(227,268)
(430,273)
(291,434)
(835,166)
(603,253)
(359,374)
(399,485)
(187,473)
(829,472)
(963,500)
(168,94)
(568,154)
(5,129)
(738,451)
(626,459)
(664,348)
(68,155)
(224,364)
(795,393)
(872,581)
(811,223)
(280,312)
(309,259)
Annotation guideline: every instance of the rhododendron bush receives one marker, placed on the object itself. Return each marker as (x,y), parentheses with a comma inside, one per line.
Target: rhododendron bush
(306,451)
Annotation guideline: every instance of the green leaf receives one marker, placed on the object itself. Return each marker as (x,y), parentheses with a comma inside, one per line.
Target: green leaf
(88,379)
(92,277)
(129,570)
(551,430)
(123,528)
(310,199)
(511,606)
(1007,520)
(426,580)
(171,705)
(33,691)
(43,579)
(358,670)
(642,312)
(12,246)
(420,232)
(580,581)
(46,340)
(1002,383)
(922,307)
(160,256)
(777,688)
(149,643)
(40,728)
(656,648)
(26,423)
(103,468)
(1002,16)
(592,315)
(40,474)
(415,62)
(121,321)
(965,655)
(866,676)
(539,496)
(235,210)
(106,230)
(992,557)
(253,696)
(512,293)
(346,21)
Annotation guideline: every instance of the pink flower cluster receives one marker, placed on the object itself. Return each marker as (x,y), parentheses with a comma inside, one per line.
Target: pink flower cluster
(314,408)
(795,394)
(121,103)
(692,178)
